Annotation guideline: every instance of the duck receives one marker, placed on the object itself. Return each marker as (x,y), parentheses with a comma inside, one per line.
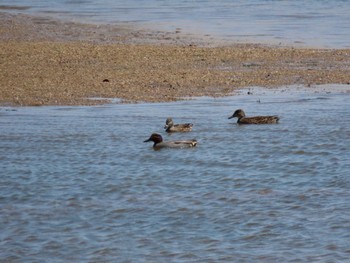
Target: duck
(242,119)
(171,127)
(158,143)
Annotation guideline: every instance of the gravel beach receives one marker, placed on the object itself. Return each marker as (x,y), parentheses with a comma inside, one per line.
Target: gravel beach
(49,62)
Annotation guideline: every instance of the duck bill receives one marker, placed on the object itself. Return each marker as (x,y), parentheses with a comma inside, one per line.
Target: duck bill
(231,117)
(148,140)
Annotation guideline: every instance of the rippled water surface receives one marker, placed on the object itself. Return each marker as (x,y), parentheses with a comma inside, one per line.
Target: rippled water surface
(78,184)
(313,22)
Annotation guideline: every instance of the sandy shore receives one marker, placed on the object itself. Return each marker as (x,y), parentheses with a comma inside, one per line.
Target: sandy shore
(48,62)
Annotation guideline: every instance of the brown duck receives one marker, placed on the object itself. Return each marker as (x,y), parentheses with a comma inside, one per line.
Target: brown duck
(242,119)
(171,127)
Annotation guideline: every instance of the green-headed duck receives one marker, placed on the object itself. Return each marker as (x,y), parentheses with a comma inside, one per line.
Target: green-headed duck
(158,142)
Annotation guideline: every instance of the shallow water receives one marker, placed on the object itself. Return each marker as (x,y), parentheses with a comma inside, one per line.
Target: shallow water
(78,184)
(312,22)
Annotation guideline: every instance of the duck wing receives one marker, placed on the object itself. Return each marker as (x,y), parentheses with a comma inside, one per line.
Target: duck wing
(259,120)
(185,143)
(180,127)
(184,125)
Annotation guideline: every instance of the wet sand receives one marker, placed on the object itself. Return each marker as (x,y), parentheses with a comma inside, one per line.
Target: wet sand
(49,62)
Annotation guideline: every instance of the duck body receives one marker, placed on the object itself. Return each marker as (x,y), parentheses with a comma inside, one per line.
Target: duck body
(158,142)
(242,119)
(171,127)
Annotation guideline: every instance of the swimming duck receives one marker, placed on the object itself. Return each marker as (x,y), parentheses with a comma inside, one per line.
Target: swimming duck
(171,127)
(242,119)
(158,142)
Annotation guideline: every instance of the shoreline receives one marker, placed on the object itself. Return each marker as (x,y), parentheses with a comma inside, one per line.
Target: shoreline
(50,62)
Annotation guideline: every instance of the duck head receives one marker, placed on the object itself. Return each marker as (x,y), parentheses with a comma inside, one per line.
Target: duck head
(155,137)
(238,113)
(168,123)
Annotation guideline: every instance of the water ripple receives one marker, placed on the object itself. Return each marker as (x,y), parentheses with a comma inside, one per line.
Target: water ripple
(247,193)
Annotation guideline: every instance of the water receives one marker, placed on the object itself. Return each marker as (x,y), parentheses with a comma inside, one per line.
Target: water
(312,23)
(78,184)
